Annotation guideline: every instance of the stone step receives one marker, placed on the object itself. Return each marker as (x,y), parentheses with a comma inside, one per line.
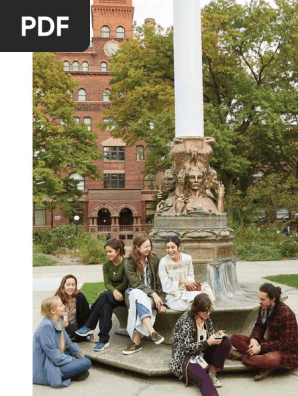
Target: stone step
(153,360)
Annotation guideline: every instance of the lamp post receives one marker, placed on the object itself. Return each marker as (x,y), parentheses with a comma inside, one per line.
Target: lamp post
(76,220)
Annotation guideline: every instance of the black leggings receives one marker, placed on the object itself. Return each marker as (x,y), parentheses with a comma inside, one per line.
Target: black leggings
(102,310)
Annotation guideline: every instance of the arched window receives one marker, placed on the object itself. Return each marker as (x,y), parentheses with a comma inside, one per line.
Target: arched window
(75,66)
(104,217)
(105,31)
(77,119)
(85,66)
(82,95)
(87,121)
(106,95)
(103,67)
(66,66)
(81,182)
(140,153)
(120,32)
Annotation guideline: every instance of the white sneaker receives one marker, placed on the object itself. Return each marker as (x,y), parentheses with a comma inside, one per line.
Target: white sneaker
(214,379)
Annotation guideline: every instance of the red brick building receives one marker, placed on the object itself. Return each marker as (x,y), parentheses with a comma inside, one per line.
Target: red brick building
(120,203)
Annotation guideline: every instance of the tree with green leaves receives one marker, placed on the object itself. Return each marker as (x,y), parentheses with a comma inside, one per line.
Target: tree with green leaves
(250,89)
(273,192)
(61,146)
(142,93)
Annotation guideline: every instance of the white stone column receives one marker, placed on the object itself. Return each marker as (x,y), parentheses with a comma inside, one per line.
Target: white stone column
(188,68)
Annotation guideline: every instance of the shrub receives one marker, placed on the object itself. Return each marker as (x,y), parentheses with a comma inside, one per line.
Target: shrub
(53,239)
(289,248)
(258,252)
(89,249)
(42,260)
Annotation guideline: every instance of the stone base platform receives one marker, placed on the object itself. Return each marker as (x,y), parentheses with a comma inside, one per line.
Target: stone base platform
(152,361)
(234,315)
(237,314)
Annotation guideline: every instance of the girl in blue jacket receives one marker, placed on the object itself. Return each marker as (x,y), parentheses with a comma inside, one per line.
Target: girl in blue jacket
(56,360)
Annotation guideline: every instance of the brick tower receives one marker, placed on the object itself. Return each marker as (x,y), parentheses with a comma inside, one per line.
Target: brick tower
(120,204)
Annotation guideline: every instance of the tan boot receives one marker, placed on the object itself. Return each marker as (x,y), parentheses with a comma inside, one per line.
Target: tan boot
(262,374)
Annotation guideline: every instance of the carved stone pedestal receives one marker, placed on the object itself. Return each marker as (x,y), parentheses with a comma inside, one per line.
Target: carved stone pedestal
(209,242)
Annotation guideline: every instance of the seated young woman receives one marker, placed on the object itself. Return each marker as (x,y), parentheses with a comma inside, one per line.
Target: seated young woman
(143,293)
(76,306)
(176,273)
(116,282)
(194,339)
(56,360)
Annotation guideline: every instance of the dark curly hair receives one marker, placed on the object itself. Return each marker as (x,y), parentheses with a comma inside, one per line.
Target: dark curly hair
(272,291)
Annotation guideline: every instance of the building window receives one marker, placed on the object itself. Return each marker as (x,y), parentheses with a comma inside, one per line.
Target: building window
(149,182)
(39,216)
(115,153)
(112,180)
(103,67)
(82,95)
(66,66)
(106,95)
(105,31)
(75,66)
(85,66)
(62,123)
(77,119)
(120,32)
(110,119)
(87,121)
(81,183)
(140,153)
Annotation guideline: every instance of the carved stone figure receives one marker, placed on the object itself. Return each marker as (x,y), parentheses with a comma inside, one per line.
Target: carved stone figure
(193,186)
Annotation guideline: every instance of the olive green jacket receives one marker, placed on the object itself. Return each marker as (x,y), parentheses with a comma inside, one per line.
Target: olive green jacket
(136,283)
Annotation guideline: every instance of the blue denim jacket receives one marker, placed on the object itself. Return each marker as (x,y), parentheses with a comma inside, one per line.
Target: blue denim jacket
(47,356)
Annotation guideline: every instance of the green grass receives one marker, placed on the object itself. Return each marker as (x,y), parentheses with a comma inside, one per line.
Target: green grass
(289,280)
(91,290)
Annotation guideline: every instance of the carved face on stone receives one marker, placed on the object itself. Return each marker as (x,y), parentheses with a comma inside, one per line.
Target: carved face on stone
(170,180)
(194,178)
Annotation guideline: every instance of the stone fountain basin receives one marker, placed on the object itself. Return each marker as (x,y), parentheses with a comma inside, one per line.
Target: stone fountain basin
(234,315)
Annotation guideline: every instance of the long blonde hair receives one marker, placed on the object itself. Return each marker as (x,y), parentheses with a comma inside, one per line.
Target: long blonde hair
(138,240)
(46,306)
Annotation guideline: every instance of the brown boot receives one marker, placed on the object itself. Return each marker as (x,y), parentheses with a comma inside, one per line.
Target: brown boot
(262,374)
(235,355)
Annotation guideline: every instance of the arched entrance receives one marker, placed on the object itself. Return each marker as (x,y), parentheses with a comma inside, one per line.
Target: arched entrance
(104,217)
(125,217)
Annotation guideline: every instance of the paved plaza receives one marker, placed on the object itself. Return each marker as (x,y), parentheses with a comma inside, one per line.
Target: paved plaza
(107,381)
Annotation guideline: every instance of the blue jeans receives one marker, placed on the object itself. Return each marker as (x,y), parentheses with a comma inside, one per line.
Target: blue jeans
(142,311)
(75,367)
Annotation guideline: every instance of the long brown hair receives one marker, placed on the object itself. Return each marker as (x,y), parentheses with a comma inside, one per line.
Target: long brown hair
(138,240)
(201,303)
(60,291)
